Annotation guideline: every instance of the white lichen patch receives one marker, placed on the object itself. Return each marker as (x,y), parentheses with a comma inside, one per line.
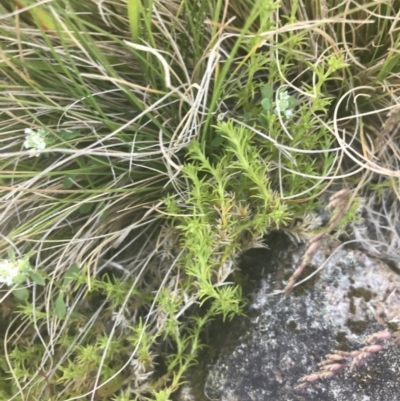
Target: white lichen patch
(355,287)
(352,297)
(359,288)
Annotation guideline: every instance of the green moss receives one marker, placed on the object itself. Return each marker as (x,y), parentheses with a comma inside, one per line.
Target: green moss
(341,340)
(357,326)
(393,326)
(360,292)
(366,377)
(292,326)
(352,306)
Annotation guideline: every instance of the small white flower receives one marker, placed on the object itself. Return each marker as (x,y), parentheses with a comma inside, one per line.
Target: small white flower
(284,95)
(35,140)
(8,271)
(282,105)
(288,113)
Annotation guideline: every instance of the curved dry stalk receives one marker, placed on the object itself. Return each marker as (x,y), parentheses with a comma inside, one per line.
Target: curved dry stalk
(339,203)
(353,360)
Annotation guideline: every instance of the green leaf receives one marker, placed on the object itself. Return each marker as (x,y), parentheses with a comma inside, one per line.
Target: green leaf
(72,271)
(134,7)
(61,308)
(37,278)
(68,181)
(11,254)
(21,293)
(217,141)
(108,389)
(266,104)
(68,134)
(283,105)
(24,265)
(293,102)
(104,215)
(263,120)
(85,207)
(3,366)
(248,115)
(267,91)
(19,278)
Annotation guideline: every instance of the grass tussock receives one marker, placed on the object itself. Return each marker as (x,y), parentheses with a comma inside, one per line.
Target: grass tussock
(144,146)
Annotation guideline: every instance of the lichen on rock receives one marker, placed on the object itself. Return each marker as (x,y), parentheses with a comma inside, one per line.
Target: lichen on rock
(353,297)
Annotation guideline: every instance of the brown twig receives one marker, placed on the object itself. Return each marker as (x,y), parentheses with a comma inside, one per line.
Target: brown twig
(338,202)
(340,359)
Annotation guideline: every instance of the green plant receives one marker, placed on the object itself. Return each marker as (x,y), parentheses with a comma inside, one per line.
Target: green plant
(166,145)
(229,207)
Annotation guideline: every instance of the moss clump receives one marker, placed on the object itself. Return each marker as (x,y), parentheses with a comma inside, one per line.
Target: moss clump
(341,340)
(352,306)
(393,326)
(292,326)
(357,326)
(360,292)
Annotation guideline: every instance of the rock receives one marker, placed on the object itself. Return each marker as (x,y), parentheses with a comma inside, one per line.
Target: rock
(350,297)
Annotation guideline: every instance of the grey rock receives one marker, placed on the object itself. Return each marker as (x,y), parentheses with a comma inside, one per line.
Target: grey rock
(350,297)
